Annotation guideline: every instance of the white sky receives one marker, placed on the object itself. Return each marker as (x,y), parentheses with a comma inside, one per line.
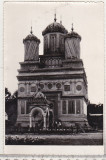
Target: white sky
(88,22)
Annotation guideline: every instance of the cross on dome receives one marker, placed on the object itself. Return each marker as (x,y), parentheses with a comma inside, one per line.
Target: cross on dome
(60,19)
(72,28)
(31,30)
(55,17)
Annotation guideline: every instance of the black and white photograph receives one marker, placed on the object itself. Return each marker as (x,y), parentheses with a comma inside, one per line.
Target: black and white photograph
(53,73)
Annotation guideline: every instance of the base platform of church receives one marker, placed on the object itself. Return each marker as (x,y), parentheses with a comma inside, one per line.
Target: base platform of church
(72,120)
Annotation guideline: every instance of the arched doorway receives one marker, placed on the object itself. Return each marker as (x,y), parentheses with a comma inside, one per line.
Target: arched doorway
(40,119)
(37,118)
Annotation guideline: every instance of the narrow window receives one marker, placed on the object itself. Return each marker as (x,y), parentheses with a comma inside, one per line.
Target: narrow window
(27,109)
(22,109)
(52,43)
(71,107)
(78,107)
(45,43)
(64,107)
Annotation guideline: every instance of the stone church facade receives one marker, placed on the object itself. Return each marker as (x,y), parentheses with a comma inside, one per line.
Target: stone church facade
(52,87)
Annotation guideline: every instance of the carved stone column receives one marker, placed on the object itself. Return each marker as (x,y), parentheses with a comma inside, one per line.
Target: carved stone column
(30,121)
(44,125)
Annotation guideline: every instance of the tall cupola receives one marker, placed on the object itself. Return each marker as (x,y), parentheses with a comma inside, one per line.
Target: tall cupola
(72,44)
(31,45)
(54,38)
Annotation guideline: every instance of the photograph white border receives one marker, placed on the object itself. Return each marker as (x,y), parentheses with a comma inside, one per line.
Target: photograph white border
(43,150)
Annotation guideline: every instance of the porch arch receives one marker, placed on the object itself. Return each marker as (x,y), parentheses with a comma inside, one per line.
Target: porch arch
(31,115)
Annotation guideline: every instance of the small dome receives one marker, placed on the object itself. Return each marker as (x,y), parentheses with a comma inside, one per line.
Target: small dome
(73,34)
(54,27)
(31,37)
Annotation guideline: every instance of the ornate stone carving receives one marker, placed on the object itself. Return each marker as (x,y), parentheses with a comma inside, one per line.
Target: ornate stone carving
(58,85)
(22,89)
(79,87)
(33,88)
(41,85)
(50,85)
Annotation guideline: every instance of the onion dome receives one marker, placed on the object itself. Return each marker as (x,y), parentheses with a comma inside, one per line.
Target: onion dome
(55,27)
(73,34)
(31,37)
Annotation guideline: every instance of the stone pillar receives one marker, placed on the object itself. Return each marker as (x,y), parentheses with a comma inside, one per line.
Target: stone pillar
(27,86)
(30,121)
(44,125)
(47,125)
(75,106)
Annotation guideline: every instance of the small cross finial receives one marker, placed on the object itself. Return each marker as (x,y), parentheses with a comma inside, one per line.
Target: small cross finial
(60,19)
(31,30)
(55,17)
(72,27)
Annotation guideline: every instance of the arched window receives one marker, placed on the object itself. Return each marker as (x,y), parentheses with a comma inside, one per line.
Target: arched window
(78,107)
(45,43)
(22,107)
(71,107)
(53,43)
(64,107)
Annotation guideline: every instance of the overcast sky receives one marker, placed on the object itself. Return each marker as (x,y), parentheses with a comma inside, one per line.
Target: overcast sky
(88,22)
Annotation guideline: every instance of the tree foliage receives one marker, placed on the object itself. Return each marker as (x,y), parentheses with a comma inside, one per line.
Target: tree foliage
(95,115)
(11,106)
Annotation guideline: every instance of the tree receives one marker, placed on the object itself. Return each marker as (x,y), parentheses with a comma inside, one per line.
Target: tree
(95,115)
(15,95)
(11,106)
(7,94)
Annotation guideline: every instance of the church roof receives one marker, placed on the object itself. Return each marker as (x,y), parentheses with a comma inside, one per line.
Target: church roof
(31,36)
(73,34)
(55,27)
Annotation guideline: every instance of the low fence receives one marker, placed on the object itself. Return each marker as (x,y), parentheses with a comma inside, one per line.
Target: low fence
(71,130)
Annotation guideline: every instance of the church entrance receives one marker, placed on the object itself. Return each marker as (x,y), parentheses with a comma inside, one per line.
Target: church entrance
(40,119)
(37,119)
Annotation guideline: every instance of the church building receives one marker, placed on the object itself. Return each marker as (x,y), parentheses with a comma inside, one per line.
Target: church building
(52,87)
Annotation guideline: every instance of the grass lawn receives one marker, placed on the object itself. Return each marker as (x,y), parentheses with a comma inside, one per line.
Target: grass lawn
(77,139)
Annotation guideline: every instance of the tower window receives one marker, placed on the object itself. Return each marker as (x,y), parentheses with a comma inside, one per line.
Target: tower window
(78,107)
(53,42)
(71,107)
(45,43)
(22,108)
(64,107)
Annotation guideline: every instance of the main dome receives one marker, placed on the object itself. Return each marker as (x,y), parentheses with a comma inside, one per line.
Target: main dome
(55,27)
